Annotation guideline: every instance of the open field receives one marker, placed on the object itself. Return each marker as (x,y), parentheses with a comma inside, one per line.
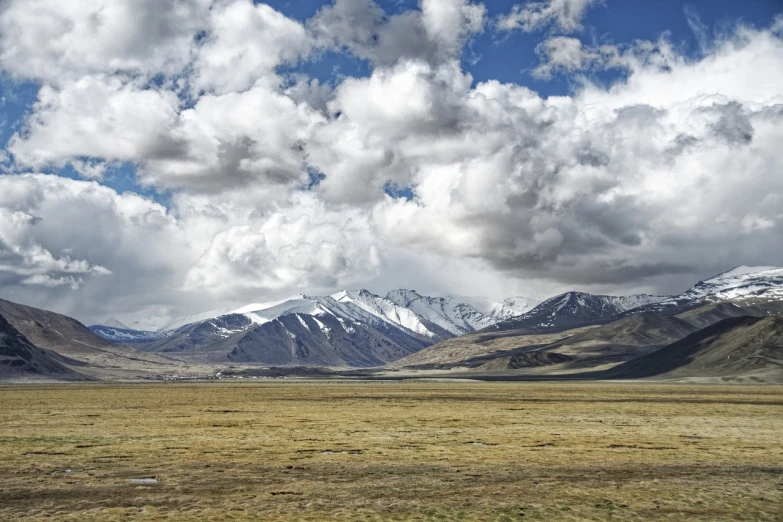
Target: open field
(392,451)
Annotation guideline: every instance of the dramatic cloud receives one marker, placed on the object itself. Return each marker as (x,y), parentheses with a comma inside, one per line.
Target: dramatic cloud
(416,172)
(57,233)
(94,117)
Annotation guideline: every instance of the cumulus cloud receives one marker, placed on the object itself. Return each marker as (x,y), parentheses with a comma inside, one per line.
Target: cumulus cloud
(435,33)
(57,234)
(282,184)
(289,249)
(53,41)
(94,117)
(244,44)
(565,15)
(567,54)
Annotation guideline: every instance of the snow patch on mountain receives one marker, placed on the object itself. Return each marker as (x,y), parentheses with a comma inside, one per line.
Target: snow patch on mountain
(452,315)
(629,302)
(499,311)
(384,308)
(743,283)
(114,323)
(126,335)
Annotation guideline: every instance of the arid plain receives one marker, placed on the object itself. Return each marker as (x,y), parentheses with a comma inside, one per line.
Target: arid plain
(391,451)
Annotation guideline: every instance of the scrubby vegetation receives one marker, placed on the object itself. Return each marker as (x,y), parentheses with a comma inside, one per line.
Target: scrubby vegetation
(391,451)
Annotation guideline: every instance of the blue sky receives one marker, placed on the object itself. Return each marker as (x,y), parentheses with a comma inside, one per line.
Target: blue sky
(510,57)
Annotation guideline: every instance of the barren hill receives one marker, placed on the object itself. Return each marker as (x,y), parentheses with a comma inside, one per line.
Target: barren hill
(733,347)
(20,359)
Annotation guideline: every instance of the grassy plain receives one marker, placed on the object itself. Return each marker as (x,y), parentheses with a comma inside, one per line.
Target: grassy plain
(392,451)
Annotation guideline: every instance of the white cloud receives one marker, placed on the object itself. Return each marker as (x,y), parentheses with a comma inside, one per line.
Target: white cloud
(245,44)
(645,183)
(289,249)
(236,140)
(57,234)
(608,185)
(566,15)
(436,33)
(95,117)
(56,40)
(567,54)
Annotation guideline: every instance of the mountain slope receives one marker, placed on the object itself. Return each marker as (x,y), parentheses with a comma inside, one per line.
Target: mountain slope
(19,358)
(710,313)
(573,309)
(126,335)
(744,286)
(647,329)
(499,311)
(452,315)
(69,338)
(619,341)
(347,329)
(578,349)
(732,347)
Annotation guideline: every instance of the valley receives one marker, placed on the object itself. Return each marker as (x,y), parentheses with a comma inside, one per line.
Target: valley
(402,335)
(391,451)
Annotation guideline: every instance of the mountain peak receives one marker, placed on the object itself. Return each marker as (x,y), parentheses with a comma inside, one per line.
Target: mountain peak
(402,296)
(114,323)
(744,270)
(348,295)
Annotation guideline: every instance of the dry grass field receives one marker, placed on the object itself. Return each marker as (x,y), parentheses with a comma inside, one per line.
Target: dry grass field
(391,451)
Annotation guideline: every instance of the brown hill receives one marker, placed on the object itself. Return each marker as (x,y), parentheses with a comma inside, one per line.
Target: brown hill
(78,346)
(733,347)
(711,313)
(19,358)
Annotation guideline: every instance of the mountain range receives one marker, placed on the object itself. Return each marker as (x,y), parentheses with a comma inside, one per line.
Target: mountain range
(404,331)
(349,328)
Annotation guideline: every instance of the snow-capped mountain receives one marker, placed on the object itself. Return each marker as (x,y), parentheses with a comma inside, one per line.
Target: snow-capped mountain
(454,316)
(499,311)
(126,335)
(741,284)
(350,327)
(114,323)
(389,310)
(359,328)
(574,309)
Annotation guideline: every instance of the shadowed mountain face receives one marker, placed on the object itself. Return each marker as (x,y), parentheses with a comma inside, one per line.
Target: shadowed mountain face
(736,346)
(20,359)
(709,314)
(571,310)
(646,329)
(577,350)
(53,331)
(291,340)
(69,339)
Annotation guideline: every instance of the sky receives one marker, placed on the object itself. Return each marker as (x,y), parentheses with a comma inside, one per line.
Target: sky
(160,158)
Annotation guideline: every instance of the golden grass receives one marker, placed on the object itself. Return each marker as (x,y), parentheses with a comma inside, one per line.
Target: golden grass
(392,451)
